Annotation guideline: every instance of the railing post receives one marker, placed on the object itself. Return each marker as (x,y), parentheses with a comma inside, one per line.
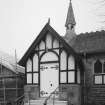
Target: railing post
(29,97)
(54,98)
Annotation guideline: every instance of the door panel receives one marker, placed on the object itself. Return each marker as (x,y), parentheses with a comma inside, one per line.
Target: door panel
(49,77)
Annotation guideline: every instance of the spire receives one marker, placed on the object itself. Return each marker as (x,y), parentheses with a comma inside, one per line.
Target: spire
(70,24)
(70,16)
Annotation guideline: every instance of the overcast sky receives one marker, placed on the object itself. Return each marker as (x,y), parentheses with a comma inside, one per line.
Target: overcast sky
(22,20)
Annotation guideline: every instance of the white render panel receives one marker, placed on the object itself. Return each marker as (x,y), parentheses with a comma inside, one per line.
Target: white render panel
(29,77)
(57,51)
(35,62)
(63,77)
(41,52)
(71,62)
(56,43)
(35,78)
(49,41)
(29,65)
(63,61)
(50,56)
(42,45)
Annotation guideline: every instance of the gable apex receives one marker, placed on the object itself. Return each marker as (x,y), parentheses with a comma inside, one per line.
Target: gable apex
(47,29)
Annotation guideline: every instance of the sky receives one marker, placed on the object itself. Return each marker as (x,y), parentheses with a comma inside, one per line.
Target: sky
(22,20)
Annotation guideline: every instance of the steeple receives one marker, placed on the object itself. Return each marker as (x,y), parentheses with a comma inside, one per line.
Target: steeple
(70,23)
(70,16)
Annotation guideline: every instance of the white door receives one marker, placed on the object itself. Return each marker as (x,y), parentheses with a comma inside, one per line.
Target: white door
(49,78)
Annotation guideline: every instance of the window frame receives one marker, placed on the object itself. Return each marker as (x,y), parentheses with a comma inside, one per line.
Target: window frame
(102,74)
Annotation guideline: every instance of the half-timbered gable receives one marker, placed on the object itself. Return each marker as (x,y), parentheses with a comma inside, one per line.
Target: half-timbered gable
(50,63)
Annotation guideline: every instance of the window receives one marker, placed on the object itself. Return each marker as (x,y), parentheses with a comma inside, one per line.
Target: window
(98,67)
(29,71)
(99,72)
(35,78)
(63,67)
(71,69)
(35,69)
(67,68)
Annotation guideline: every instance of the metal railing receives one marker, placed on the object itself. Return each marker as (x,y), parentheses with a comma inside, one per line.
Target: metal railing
(19,101)
(53,96)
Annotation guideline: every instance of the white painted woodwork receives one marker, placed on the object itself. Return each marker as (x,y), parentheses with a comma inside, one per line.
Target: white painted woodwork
(29,65)
(29,77)
(61,45)
(71,76)
(35,78)
(49,77)
(57,51)
(63,76)
(36,48)
(41,52)
(49,41)
(42,45)
(49,56)
(55,43)
(98,79)
(35,62)
(71,62)
(63,61)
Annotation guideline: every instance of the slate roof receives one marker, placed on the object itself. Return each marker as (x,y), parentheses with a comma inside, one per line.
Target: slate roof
(89,42)
(8,61)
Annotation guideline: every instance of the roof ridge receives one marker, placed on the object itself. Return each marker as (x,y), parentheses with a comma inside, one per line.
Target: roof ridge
(90,34)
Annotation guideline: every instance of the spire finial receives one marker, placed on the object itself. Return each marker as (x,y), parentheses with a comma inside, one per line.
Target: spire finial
(48,20)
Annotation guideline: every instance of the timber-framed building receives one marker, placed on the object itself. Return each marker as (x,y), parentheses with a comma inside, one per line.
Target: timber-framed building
(74,65)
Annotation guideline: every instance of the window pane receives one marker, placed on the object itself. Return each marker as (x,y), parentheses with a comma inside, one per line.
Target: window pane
(71,63)
(98,79)
(35,62)
(63,77)
(63,61)
(71,76)
(29,78)
(29,66)
(98,67)
(35,78)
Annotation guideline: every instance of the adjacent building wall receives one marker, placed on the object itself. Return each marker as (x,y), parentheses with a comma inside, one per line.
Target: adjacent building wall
(93,93)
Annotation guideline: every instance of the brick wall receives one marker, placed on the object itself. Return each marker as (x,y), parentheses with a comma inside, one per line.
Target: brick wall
(71,92)
(31,92)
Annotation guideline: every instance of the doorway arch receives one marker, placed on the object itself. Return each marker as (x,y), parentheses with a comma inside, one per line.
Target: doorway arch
(49,73)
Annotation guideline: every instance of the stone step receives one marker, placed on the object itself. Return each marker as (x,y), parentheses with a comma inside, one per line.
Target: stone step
(49,102)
